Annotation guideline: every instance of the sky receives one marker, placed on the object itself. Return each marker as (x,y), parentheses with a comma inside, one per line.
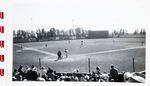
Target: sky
(87,14)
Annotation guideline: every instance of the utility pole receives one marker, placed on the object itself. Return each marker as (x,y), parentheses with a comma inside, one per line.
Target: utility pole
(133,66)
(39,63)
(31,22)
(89,64)
(72,23)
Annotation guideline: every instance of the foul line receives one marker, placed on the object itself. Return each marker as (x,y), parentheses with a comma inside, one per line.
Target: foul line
(37,50)
(41,51)
(110,51)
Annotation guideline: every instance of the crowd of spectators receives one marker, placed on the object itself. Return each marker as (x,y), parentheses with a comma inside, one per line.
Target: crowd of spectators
(48,74)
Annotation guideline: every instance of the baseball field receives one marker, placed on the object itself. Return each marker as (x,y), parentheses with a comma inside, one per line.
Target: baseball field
(101,52)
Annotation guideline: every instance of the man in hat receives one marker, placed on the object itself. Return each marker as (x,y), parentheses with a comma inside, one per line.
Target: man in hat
(59,54)
(20,70)
(113,73)
(98,73)
(33,75)
(43,72)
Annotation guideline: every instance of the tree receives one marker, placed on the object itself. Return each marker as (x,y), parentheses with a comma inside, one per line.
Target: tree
(70,32)
(62,33)
(52,32)
(115,32)
(122,32)
(57,32)
(14,34)
(43,33)
(38,32)
(142,32)
(32,34)
(78,32)
(136,32)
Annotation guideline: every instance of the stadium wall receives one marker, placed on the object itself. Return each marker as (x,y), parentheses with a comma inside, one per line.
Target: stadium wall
(128,36)
(98,34)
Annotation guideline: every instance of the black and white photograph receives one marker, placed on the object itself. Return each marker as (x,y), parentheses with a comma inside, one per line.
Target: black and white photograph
(79,41)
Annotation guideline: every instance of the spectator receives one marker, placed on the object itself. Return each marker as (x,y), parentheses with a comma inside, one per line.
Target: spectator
(20,70)
(16,76)
(86,77)
(76,71)
(98,73)
(43,72)
(27,73)
(33,75)
(113,73)
(105,76)
(55,76)
(50,74)
(93,77)
(66,77)
(82,77)
(32,67)
(27,70)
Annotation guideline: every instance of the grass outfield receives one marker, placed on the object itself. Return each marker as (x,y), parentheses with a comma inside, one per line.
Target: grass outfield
(102,53)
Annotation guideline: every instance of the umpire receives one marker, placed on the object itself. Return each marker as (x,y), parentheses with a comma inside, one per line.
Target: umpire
(59,54)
